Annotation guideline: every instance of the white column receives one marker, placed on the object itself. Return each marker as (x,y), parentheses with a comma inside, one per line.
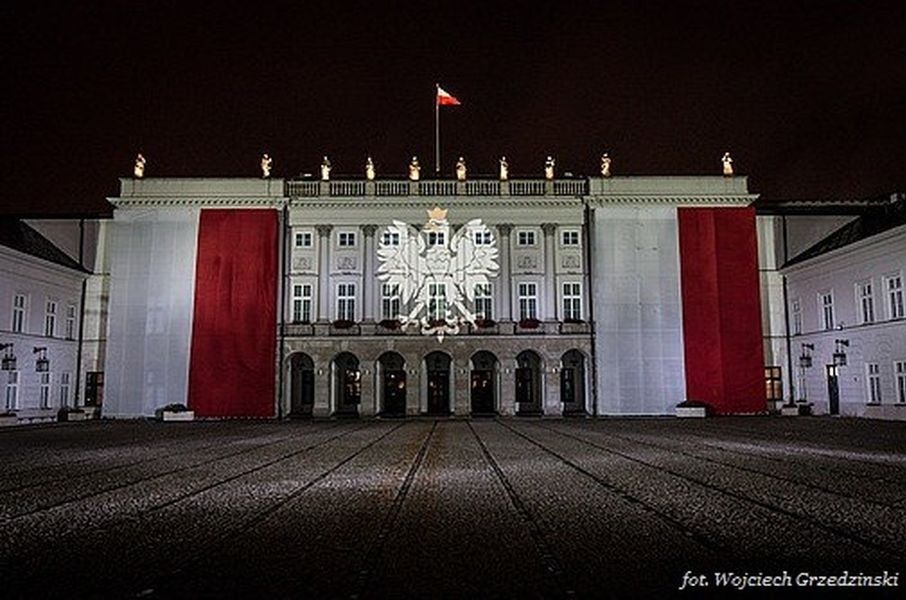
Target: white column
(324,272)
(504,281)
(368,272)
(550,276)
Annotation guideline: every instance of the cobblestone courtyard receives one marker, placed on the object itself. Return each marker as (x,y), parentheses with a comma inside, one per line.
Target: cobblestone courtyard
(451,508)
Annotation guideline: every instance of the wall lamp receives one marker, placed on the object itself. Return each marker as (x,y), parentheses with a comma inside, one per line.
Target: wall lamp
(805,359)
(9,359)
(839,354)
(42,365)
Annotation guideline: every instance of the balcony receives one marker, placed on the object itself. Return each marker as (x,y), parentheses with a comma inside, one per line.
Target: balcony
(357,188)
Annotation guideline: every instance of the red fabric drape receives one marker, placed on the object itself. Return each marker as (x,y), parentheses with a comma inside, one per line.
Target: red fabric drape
(721,309)
(231,371)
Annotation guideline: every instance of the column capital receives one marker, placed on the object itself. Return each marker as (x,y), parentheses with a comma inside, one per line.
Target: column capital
(549,228)
(369,230)
(505,228)
(324,230)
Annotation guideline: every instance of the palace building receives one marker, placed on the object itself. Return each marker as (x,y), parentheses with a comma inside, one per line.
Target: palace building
(349,296)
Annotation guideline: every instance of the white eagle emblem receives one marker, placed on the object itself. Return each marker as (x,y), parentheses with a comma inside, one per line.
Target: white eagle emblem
(435,273)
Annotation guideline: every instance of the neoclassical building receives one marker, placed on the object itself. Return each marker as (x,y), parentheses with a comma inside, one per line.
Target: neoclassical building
(347,296)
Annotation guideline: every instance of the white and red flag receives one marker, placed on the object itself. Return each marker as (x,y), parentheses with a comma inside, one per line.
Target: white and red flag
(445,98)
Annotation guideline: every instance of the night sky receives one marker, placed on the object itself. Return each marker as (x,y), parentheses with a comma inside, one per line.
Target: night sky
(809,97)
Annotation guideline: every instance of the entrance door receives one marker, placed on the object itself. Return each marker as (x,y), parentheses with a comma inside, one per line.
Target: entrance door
(348,384)
(395,392)
(438,365)
(572,382)
(482,391)
(528,383)
(302,386)
(483,383)
(833,390)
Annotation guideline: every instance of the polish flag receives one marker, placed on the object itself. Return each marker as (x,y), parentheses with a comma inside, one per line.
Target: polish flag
(445,98)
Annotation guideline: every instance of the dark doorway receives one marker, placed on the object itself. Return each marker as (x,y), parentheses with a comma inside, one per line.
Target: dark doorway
(302,386)
(572,383)
(347,384)
(483,383)
(94,388)
(438,367)
(528,383)
(833,391)
(393,384)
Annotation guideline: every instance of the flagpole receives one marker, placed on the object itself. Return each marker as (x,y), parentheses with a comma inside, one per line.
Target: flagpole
(436,130)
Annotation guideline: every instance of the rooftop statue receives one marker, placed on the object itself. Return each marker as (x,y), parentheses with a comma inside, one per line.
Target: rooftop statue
(414,169)
(728,164)
(266,163)
(325,169)
(549,168)
(139,169)
(369,169)
(504,169)
(461,169)
(605,165)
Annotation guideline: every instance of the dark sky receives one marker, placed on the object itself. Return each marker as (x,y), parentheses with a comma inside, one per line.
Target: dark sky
(810,97)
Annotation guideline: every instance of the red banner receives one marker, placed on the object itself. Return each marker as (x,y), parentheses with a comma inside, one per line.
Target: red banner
(721,309)
(234,329)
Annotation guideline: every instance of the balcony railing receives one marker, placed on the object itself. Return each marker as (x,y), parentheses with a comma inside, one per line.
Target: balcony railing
(435,187)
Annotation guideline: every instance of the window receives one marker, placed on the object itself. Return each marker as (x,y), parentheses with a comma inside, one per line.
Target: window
(796,309)
(390,301)
(44,393)
(483,301)
(303,239)
(570,238)
(19,302)
(390,238)
(437,301)
(900,368)
(773,384)
(70,322)
(346,301)
(874,383)
(436,238)
(865,302)
(12,390)
(894,287)
(346,239)
(572,301)
(50,318)
(302,303)
(526,238)
(64,389)
(482,238)
(827,311)
(528,300)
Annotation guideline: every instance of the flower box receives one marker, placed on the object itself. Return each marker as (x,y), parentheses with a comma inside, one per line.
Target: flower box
(691,410)
(343,324)
(175,412)
(185,415)
(390,324)
(529,324)
(8,418)
(68,414)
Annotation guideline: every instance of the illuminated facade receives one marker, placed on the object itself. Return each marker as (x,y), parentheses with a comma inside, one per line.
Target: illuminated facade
(263,297)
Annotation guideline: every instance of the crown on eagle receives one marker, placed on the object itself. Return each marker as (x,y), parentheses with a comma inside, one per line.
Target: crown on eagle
(437,214)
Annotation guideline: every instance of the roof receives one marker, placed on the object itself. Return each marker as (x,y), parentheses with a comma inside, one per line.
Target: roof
(876,219)
(16,234)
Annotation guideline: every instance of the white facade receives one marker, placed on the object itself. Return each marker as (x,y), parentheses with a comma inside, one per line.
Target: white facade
(40,307)
(852,293)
